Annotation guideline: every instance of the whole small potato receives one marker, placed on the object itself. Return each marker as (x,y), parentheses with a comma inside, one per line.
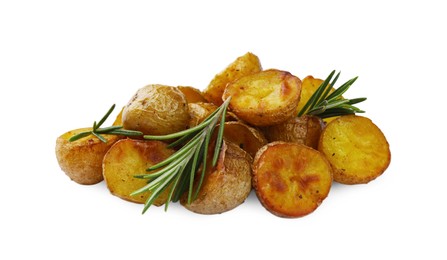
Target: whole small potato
(81,160)
(225,186)
(156,110)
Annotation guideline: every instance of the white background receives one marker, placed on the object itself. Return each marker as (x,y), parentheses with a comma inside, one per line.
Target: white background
(63,63)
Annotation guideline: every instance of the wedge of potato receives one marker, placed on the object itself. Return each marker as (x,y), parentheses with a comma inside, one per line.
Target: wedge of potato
(303,130)
(356,148)
(225,186)
(290,179)
(242,66)
(127,158)
(266,98)
(192,95)
(246,137)
(81,160)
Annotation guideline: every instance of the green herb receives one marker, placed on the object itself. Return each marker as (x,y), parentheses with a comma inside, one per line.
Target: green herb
(111,130)
(177,172)
(325,104)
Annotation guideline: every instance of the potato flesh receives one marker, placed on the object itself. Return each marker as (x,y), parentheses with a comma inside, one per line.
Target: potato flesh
(265,98)
(244,65)
(356,148)
(246,137)
(290,179)
(127,158)
(81,160)
(192,95)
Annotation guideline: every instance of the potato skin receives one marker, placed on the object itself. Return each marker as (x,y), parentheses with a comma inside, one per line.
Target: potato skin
(199,111)
(356,148)
(244,65)
(266,98)
(127,158)
(81,160)
(192,95)
(290,179)
(156,110)
(303,130)
(225,186)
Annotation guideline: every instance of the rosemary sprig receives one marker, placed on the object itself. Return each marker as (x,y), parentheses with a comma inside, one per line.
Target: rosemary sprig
(177,173)
(325,104)
(111,130)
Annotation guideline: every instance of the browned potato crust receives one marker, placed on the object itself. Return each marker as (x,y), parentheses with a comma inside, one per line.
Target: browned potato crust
(291,180)
(192,94)
(225,186)
(303,130)
(127,158)
(246,137)
(308,88)
(242,66)
(81,160)
(356,148)
(266,98)
(157,110)
(199,111)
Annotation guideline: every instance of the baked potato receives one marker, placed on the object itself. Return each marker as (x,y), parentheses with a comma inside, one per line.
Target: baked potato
(246,137)
(242,66)
(290,179)
(199,111)
(356,148)
(127,158)
(192,95)
(156,110)
(266,98)
(303,130)
(225,186)
(81,160)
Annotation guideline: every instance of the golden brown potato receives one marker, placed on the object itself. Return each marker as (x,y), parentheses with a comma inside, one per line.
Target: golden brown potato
(356,148)
(127,158)
(303,130)
(242,66)
(246,137)
(119,118)
(199,111)
(156,110)
(81,160)
(266,98)
(291,180)
(192,95)
(308,88)
(225,186)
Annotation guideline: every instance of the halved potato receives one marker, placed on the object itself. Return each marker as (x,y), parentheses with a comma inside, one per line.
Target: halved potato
(199,111)
(156,110)
(127,158)
(246,137)
(291,180)
(356,148)
(225,186)
(303,130)
(242,66)
(266,98)
(81,160)
(192,94)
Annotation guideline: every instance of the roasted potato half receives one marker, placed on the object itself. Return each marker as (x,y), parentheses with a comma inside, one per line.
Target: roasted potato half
(303,130)
(81,160)
(356,148)
(225,186)
(266,98)
(156,110)
(242,66)
(192,95)
(127,158)
(290,179)
(246,137)
(199,111)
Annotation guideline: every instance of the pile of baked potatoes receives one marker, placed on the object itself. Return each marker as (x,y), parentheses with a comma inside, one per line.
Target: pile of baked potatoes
(289,161)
